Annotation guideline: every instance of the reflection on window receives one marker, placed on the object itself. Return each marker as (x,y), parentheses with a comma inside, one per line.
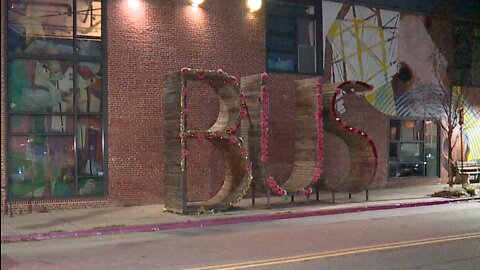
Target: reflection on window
(41,166)
(55,97)
(51,124)
(89,144)
(47,26)
(413,148)
(291,37)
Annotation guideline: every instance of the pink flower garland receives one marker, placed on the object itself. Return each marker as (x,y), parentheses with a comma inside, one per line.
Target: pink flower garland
(265,114)
(185,152)
(264,147)
(319,169)
(211,75)
(343,124)
(271,181)
(275,187)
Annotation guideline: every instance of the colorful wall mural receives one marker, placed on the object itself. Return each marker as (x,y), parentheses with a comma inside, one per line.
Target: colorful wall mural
(55,99)
(396,53)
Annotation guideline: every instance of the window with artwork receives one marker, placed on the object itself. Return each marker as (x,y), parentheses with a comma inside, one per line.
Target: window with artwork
(56,97)
(413,148)
(292,36)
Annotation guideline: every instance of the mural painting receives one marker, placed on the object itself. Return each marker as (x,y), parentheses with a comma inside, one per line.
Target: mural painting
(46,93)
(400,56)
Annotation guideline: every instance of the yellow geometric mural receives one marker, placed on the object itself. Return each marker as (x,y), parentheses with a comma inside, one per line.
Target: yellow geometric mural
(390,51)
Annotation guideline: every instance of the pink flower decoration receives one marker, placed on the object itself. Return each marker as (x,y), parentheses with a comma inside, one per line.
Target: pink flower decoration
(243,114)
(182,135)
(306,191)
(200,137)
(264,76)
(232,79)
(218,134)
(186,91)
(201,75)
(233,139)
(250,167)
(185,71)
(264,124)
(220,72)
(265,90)
(270,181)
(242,96)
(185,152)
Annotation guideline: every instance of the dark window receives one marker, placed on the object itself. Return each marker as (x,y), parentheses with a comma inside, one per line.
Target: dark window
(467,53)
(413,148)
(56,97)
(292,37)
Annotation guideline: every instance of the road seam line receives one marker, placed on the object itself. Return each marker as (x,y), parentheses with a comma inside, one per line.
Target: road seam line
(341,252)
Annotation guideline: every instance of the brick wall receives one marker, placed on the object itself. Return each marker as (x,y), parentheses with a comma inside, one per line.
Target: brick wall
(162,36)
(143,46)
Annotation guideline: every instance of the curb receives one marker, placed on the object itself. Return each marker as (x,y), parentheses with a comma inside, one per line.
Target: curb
(219,221)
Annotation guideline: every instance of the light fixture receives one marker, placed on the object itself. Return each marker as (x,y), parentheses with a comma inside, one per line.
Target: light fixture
(254,5)
(196,3)
(134,4)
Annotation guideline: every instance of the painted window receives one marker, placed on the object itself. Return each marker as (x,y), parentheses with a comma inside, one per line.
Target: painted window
(413,148)
(56,99)
(292,37)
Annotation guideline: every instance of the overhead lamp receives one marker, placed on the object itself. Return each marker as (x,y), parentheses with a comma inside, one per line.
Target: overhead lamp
(133,4)
(196,3)
(254,5)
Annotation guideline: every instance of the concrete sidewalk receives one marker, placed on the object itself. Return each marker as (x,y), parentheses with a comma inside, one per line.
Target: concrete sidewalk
(118,220)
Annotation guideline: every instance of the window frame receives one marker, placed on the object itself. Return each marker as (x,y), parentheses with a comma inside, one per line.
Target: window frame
(423,142)
(76,114)
(316,17)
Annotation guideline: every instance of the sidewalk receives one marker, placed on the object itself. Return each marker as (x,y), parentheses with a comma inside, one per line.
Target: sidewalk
(119,220)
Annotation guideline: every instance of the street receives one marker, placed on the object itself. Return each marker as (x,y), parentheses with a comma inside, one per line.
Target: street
(433,237)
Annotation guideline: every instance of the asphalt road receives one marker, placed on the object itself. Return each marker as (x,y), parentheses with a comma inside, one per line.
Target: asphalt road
(433,237)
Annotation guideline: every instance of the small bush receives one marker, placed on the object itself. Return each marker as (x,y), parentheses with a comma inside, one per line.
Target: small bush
(452,192)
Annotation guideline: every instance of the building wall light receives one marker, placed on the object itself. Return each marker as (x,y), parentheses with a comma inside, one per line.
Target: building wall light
(254,5)
(196,3)
(134,4)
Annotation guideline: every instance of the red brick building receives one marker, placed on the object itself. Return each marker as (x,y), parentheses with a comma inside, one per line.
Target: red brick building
(110,127)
